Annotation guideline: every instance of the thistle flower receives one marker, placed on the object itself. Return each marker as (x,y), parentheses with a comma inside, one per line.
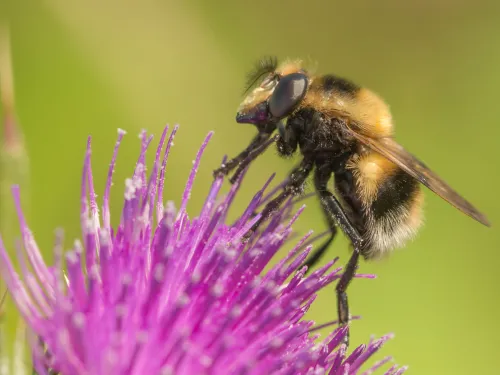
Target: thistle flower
(166,294)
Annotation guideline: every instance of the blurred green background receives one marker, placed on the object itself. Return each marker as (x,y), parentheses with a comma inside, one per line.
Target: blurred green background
(89,67)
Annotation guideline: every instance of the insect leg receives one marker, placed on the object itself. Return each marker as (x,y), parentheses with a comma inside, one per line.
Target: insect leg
(320,251)
(345,280)
(251,157)
(334,210)
(294,185)
(258,140)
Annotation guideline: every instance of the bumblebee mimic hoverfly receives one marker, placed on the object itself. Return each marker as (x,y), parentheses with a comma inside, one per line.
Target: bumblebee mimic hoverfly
(346,131)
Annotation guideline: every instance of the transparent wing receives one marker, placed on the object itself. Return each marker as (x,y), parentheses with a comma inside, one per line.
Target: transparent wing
(418,170)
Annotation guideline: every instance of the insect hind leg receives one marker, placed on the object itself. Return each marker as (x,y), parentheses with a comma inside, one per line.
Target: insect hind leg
(336,214)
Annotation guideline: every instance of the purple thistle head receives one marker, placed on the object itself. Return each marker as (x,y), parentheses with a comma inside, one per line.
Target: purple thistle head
(164,293)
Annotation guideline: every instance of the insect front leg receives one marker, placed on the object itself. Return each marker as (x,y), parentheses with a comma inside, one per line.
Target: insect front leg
(251,157)
(260,139)
(336,213)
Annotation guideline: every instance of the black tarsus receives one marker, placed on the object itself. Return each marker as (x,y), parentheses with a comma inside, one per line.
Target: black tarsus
(260,139)
(252,155)
(341,288)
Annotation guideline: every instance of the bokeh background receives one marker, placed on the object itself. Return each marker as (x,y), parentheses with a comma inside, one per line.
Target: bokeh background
(90,67)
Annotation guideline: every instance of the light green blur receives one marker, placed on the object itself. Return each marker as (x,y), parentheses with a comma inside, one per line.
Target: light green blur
(94,66)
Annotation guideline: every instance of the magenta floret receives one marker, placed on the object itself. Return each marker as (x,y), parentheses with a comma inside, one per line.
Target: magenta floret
(164,293)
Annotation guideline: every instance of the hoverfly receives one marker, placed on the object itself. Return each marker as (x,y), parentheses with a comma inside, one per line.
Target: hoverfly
(344,130)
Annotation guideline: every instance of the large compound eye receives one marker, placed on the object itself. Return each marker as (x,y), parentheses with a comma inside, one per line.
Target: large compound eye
(290,90)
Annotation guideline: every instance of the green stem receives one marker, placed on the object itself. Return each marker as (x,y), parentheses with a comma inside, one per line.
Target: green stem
(14,162)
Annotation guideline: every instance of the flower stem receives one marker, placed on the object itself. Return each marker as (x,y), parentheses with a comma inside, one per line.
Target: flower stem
(13,156)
